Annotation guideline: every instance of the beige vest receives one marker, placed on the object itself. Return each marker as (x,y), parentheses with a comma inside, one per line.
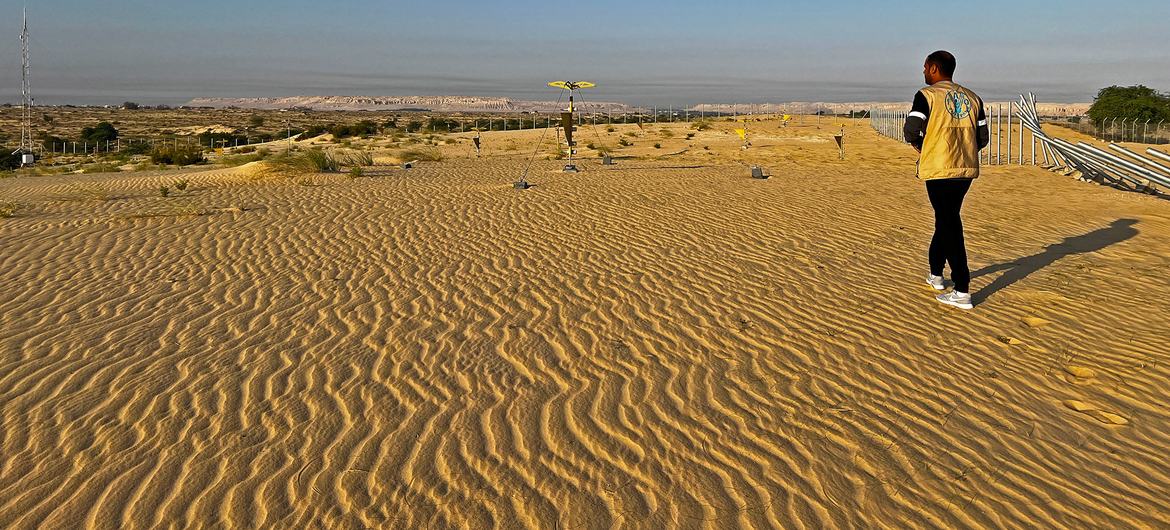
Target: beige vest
(950,148)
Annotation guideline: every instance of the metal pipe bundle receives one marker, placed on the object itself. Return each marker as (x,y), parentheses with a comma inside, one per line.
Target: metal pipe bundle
(1093,162)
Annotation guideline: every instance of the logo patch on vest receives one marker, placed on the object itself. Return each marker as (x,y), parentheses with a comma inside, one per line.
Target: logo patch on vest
(958,104)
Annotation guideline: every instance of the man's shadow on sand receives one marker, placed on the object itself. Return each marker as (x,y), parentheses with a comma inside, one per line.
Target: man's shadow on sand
(1116,232)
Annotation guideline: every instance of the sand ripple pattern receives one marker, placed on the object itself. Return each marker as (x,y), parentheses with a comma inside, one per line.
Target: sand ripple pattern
(631,347)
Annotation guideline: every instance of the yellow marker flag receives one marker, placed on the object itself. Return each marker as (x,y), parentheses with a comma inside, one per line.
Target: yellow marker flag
(787,117)
(742,133)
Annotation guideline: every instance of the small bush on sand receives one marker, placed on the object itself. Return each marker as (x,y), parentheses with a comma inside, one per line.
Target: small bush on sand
(657,145)
(8,209)
(624,142)
(316,159)
(312,160)
(181,185)
(610,129)
(355,158)
(164,191)
(183,156)
(422,155)
(356,172)
(701,125)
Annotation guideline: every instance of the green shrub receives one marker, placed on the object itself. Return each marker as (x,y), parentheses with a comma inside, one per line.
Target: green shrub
(356,172)
(701,125)
(657,146)
(624,142)
(181,185)
(50,142)
(164,191)
(102,132)
(135,148)
(182,156)
(319,160)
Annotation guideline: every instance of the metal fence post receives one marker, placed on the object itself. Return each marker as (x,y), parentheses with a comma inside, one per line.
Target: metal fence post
(998,133)
(1011,106)
(1020,139)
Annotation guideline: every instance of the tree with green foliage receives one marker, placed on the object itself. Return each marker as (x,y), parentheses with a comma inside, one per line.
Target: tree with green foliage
(1138,102)
(102,132)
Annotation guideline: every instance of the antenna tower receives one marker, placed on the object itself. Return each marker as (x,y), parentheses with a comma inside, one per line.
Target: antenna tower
(26,137)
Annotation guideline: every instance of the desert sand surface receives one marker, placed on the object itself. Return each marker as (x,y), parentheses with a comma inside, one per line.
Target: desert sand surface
(662,343)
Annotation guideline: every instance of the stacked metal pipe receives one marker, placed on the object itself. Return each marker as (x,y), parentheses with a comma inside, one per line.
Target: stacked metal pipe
(1130,170)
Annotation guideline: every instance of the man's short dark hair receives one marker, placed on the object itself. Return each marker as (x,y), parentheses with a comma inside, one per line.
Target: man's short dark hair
(944,61)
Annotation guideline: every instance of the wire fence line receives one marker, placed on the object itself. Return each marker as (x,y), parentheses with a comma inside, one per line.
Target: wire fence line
(1154,132)
(1014,143)
(434,124)
(1017,137)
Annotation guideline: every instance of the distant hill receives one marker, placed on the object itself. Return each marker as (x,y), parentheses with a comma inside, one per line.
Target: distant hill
(407,103)
(471,104)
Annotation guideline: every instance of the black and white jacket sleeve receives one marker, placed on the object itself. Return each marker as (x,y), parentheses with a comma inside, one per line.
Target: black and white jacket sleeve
(915,128)
(983,133)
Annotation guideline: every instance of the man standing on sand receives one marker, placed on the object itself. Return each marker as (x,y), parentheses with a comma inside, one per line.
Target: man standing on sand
(948,128)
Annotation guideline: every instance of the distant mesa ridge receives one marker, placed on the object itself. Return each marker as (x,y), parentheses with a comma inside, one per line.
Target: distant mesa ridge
(416,103)
(502,105)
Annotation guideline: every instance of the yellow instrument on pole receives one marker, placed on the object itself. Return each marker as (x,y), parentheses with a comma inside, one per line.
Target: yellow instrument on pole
(567,117)
(572,86)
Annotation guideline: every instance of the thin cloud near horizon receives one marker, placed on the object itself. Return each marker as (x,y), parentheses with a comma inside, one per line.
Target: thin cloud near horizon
(653,53)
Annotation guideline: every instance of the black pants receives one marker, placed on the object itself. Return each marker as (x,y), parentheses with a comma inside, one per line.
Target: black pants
(947,246)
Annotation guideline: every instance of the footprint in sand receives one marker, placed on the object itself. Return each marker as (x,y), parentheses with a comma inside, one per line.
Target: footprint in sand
(1079,375)
(1102,416)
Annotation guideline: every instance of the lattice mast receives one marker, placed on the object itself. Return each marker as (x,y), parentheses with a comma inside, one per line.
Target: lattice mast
(26,137)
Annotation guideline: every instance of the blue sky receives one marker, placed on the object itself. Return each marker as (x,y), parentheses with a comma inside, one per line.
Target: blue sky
(640,52)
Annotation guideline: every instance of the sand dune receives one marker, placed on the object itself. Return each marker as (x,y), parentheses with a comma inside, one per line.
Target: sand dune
(649,345)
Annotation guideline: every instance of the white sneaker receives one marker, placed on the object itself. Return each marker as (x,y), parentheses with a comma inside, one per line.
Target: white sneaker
(957,299)
(935,281)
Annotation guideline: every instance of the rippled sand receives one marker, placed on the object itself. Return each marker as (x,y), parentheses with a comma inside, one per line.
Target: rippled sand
(649,345)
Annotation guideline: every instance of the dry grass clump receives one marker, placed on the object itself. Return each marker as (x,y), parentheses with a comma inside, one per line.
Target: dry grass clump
(354,158)
(243,158)
(311,160)
(9,209)
(422,155)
